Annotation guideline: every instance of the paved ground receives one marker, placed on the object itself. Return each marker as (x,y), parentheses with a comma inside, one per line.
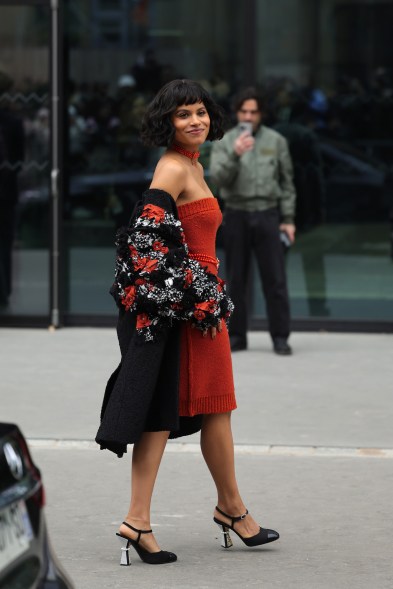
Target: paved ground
(314,447)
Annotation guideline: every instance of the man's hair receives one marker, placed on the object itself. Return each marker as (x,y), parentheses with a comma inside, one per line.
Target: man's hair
(250,93)
(157,128)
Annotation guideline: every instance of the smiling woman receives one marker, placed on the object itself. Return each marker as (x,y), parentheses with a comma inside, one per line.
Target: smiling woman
(175,377)
(177,101)
(182,117)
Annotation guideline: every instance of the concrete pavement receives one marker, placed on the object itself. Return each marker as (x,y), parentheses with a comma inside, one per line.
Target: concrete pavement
(314,446)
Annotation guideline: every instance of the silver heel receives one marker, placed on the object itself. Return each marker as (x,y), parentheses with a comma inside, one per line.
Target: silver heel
(125,547)
(226,540)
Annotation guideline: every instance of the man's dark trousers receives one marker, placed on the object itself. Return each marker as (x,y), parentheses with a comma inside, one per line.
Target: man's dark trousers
(246,232)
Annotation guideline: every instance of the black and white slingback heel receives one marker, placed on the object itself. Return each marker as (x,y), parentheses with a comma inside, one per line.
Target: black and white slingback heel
(161,557)
(264,535)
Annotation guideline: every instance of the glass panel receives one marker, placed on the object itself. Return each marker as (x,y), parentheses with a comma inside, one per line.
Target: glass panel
(328,80)
(24,160)
(326,68)
(120,53)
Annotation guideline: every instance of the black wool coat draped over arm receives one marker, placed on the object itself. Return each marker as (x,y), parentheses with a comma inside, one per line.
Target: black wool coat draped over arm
(143,392)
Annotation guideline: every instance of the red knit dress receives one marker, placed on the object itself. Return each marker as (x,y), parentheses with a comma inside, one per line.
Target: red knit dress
(206,378)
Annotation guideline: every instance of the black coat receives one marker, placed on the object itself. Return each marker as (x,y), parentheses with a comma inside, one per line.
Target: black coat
(142,394)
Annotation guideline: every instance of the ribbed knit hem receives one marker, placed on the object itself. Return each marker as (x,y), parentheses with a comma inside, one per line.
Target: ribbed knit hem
(206,405)
(197,206)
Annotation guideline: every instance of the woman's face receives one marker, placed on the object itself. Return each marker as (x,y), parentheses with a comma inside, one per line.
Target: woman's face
(192,124)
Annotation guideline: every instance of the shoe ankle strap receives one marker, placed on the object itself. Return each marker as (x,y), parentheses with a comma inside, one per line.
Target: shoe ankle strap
(139,532)
(234,519)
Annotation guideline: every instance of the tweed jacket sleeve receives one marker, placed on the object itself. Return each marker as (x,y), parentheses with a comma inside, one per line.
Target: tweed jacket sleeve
(156,278)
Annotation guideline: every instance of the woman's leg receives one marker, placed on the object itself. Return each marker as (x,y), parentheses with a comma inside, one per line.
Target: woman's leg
(146,459)
(218,452)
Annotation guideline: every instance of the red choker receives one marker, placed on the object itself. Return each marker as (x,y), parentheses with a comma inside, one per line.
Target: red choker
(192,155)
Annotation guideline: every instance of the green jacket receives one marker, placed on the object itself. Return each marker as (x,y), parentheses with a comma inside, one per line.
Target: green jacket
(259,179)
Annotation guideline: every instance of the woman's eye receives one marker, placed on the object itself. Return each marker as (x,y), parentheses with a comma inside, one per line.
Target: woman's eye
(202,113)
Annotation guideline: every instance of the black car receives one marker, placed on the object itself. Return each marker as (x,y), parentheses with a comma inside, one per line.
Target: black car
(27,560)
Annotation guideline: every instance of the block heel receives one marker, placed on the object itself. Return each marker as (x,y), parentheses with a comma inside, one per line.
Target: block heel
(125,551)
(226,540)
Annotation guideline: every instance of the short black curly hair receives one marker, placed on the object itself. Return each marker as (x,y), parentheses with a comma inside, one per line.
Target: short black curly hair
(157,129)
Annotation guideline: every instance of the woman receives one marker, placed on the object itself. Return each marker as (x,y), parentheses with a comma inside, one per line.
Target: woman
(175,376)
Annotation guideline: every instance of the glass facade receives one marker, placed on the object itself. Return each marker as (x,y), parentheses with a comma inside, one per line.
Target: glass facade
(25,161)
(119,54)
(326,69)
(329,82)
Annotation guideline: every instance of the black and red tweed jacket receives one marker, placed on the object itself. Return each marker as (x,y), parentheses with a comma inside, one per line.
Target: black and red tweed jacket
(156,286)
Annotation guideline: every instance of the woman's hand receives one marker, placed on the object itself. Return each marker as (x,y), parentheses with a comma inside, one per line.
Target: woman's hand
(213,330)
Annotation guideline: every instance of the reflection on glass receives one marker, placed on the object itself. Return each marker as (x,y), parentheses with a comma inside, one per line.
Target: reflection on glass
(326,70)
(330,89)
(115,68)
(12,146)
(24,160)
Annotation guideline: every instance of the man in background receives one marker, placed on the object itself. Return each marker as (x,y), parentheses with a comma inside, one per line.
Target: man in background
(252,168)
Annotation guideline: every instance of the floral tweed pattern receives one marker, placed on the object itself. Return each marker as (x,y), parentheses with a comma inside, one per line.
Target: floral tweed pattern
(155,277)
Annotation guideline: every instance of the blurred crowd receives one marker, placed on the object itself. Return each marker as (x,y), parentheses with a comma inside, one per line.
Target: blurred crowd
(354,117)
(104,121)
(339,138)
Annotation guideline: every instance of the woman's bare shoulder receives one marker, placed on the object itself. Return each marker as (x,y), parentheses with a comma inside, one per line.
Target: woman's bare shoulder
(201,169)
(170,175)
